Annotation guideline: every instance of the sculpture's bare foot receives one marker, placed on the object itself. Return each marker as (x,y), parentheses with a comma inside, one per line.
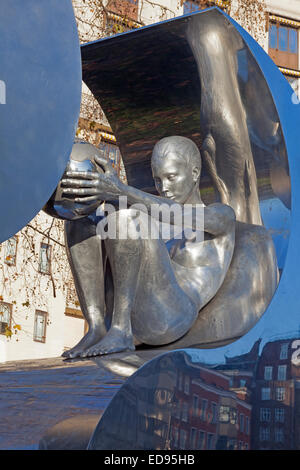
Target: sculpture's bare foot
(114,341)
(92,337)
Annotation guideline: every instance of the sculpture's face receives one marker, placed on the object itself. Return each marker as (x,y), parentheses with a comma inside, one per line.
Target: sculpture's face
(174,176)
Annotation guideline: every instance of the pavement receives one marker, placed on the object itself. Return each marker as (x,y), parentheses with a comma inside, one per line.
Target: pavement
(38,395)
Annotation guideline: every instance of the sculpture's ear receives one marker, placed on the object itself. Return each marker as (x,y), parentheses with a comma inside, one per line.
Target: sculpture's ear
(196,174)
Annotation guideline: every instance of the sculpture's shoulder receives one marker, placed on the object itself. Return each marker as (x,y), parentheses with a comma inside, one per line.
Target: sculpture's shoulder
(222,210)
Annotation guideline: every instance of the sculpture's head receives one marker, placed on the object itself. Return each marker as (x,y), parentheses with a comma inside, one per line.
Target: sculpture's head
(176,168)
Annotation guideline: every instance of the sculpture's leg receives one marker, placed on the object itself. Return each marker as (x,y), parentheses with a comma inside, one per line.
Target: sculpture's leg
(85,258)
(148,300)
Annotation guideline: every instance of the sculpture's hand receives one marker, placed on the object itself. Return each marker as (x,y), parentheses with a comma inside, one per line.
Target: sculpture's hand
(89,187)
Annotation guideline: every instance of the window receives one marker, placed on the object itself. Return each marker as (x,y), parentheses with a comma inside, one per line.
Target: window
(214,408)
(268,373)
(195,405)
(185,410)
(224,414)
(193,438)
(247,429)
(242,421)
(5,317)
(186,385)
(264,434)
(201,440)
(243,383)
(284,351)
(279,415)
(233,416)
(279,435)
(40,323)
(203,409)
(210,441)
(281,375)
(183,436)
(265,414)
(280,393)
(265,393)
(283,45)
(175,436)
(11,251)
(45,258)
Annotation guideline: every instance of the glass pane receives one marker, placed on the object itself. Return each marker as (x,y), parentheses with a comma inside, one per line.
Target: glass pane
(39,326)
(5,313)
(283,38)
(273,36)
(293,40)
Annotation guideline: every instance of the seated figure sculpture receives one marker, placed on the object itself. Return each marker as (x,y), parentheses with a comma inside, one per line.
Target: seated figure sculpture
(160,286)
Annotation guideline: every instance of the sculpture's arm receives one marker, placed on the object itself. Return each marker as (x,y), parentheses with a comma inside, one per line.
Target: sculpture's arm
(88,187)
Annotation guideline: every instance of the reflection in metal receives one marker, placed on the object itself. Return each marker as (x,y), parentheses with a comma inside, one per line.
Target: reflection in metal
(81,159)
(176,401)
(243,151)
(40,102)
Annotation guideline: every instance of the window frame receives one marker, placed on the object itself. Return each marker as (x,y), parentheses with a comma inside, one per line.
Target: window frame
(45,315)
(47,273)
(10,316)
(14,261)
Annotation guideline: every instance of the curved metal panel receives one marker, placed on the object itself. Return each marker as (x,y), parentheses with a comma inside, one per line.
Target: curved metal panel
(41,70)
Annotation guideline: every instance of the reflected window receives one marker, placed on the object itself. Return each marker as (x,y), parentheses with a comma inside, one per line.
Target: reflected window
(281,375)
(247,429)
(268,373)
(284,351)
(214,409)
(11,251)
(266,393)
(40,322)
(185,411)
(195,405)
(193,436)
(203,409)
(175,436)
(279,415)
(242,422)
(233,416)
(201,440)
(279,435)
(210,441)
(224,414)
(183,436)
(265,414)
(179,381)
(5,317)
(264,434)
(187,384)
(280,393)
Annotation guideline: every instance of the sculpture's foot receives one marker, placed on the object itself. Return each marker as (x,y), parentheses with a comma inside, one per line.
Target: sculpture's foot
(113,342)
(91,338)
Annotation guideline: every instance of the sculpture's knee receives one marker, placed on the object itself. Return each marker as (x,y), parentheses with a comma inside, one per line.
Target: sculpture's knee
(127,224)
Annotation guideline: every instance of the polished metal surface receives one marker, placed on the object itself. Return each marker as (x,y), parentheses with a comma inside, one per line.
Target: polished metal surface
(81,159)
(177,402)
(244,395)
(40,67)
(152,292)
